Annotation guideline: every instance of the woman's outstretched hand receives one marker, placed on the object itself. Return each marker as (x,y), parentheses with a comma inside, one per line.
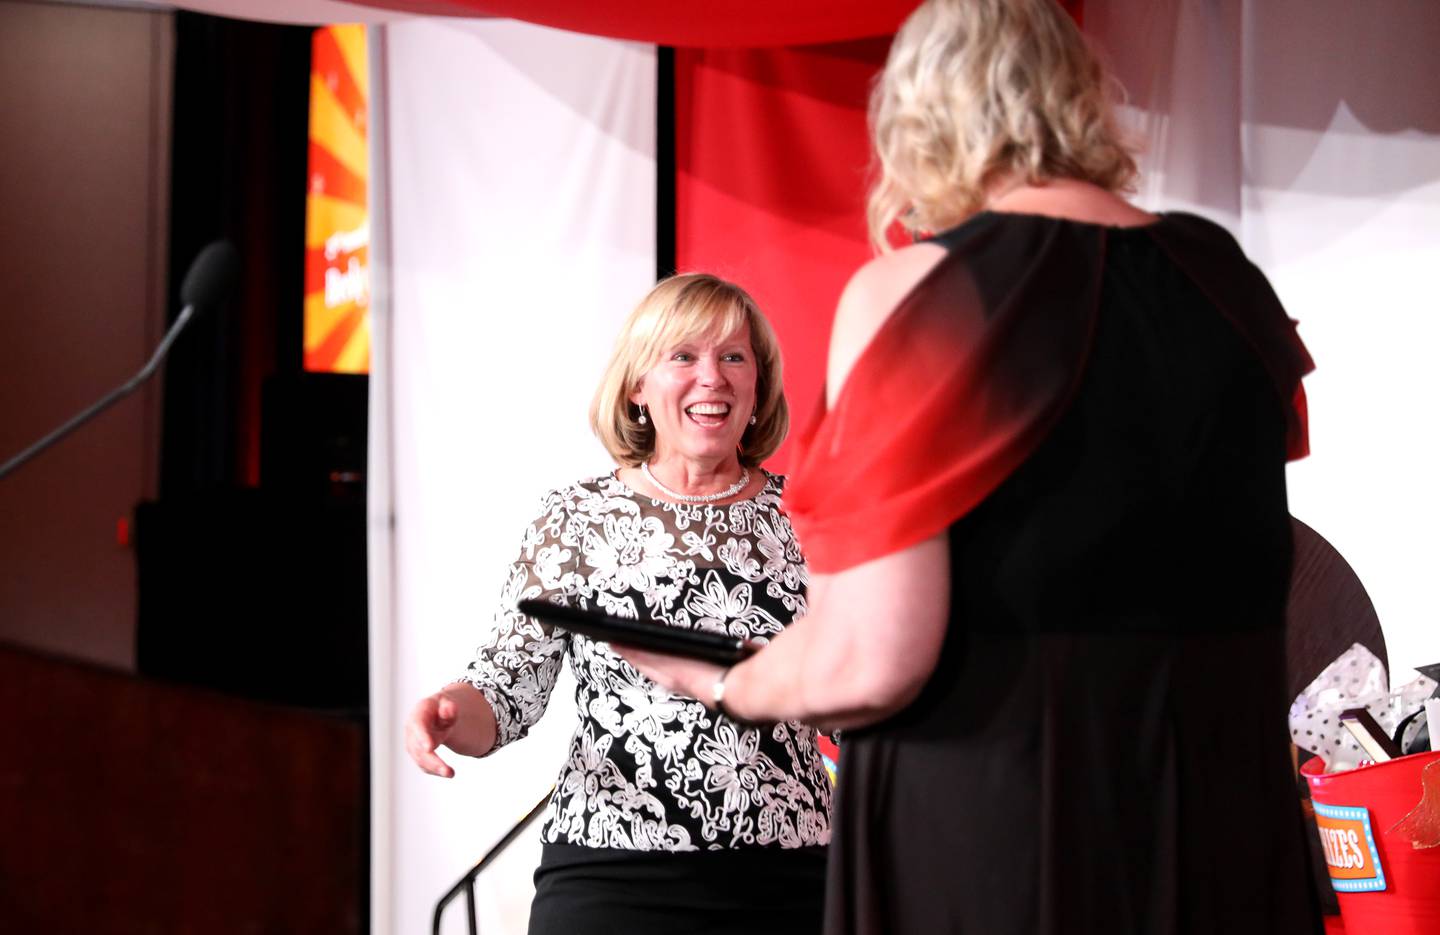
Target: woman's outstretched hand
(458,717)
(429,725)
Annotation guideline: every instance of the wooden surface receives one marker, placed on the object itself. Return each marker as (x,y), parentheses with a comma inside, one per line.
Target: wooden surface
(136,806)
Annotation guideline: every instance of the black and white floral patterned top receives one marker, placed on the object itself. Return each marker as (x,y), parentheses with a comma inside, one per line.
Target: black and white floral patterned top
(647,770)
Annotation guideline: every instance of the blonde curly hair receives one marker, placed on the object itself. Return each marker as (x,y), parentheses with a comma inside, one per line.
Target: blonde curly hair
(978,90)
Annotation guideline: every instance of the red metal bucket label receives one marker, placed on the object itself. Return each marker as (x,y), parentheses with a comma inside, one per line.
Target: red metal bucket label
(1349,846)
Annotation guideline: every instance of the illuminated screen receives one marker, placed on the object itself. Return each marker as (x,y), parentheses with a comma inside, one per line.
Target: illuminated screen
(337,220)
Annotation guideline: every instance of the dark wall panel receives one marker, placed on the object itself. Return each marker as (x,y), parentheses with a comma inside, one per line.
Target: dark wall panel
(84,176)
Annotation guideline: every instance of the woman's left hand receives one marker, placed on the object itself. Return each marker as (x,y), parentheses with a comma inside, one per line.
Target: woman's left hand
(682,676)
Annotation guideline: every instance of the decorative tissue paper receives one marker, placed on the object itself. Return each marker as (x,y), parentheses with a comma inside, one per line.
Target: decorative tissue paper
(1354,680)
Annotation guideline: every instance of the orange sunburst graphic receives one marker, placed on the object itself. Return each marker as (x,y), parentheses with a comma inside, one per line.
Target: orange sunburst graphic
(337,218)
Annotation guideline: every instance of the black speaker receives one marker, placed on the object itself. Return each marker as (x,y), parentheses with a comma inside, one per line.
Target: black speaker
(313,432)
(255,593)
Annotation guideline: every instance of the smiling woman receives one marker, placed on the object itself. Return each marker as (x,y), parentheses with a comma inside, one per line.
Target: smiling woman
(693,391)
(662,805)
(698,395)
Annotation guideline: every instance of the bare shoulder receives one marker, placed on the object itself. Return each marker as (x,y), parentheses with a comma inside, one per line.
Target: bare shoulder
(868,300)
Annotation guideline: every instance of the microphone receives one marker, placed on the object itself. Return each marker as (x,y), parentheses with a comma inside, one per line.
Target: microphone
(210,278)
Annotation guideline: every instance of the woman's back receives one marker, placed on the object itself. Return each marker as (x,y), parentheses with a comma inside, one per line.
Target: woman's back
(1102,744)
(1158,502)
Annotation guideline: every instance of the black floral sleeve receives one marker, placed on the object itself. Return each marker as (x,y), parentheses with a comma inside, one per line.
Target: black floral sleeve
(516,668)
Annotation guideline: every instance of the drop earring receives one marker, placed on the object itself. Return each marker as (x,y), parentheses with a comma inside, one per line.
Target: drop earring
(642,420)
(753,420)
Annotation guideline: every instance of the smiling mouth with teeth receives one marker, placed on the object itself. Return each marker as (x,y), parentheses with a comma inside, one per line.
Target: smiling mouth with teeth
(708,413)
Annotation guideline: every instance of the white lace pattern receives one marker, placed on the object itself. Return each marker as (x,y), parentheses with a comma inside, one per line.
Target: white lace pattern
(648,770)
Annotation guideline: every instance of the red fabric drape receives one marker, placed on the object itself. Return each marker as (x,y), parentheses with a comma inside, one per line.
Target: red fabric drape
(714,24)
(771,157)
(726,23)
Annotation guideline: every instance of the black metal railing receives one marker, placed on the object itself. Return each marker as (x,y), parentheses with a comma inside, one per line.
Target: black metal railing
(466,884)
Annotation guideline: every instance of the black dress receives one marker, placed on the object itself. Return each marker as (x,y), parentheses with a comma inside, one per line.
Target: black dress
(1102,746)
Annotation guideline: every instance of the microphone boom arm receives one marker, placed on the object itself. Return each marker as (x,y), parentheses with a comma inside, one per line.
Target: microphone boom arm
(109,399)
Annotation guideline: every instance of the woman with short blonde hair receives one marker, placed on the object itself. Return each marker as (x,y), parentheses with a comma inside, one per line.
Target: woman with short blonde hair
(667,816)
(680,307)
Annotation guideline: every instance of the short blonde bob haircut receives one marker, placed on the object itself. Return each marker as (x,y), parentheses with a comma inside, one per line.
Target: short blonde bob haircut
(975,91)
(679,309)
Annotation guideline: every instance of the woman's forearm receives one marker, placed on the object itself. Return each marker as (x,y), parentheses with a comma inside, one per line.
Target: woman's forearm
(782,684)
(863,653)
(802,676)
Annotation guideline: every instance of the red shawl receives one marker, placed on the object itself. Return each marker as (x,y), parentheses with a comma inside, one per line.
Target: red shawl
(974,367)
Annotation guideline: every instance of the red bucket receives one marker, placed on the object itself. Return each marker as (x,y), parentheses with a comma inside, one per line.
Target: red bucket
(1384,884)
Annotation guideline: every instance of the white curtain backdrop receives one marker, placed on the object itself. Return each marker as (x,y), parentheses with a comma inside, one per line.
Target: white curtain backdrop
(515,184)
(1311,128)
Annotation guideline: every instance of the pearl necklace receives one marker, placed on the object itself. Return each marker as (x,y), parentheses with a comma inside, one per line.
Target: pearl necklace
(730,491)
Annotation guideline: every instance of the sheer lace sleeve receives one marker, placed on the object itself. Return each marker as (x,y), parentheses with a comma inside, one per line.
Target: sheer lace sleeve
(516,666)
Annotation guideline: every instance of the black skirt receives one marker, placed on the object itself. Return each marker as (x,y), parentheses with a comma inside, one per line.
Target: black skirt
(604,891)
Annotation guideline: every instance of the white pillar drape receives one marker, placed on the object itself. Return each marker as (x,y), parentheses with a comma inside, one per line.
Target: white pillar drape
(516,231)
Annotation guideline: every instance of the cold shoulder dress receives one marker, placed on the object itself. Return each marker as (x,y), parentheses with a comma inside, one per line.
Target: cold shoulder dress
(1098,419)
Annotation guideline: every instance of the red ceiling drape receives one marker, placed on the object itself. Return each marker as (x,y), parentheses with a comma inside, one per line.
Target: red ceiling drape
(714,23)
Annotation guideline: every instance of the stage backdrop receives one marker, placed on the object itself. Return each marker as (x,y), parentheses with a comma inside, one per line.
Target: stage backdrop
(520,165)
(1326,165)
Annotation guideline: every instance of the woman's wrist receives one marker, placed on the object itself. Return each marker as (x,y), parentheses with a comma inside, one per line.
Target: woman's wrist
(476,728)
(729,694)
(717,691)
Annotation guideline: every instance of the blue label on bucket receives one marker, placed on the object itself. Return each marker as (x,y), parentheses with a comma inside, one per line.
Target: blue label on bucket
(1349,846)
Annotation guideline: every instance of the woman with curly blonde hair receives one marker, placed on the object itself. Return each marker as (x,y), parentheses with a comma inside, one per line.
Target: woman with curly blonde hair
(1045,514)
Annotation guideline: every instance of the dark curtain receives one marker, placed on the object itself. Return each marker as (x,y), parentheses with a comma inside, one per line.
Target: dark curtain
(238,172)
